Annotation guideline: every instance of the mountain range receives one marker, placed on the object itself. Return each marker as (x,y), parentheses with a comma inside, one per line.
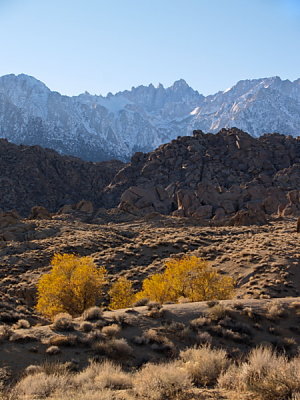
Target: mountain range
(98,128)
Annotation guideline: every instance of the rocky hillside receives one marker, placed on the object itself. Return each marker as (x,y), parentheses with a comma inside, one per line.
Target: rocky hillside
(228,175)
(99,128)
(213,176)
(31,175)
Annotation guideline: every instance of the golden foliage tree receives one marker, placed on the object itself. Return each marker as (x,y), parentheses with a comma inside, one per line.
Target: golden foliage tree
(121,294)
(73,285)
(189,277)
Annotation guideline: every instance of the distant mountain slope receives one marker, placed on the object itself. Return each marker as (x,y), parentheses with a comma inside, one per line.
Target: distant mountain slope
(99,128)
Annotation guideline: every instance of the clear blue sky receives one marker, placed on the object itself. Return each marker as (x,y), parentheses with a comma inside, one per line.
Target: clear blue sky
(111,45)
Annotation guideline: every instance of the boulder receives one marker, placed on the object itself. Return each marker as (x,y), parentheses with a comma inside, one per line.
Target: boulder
(39,212)
(13,229)
(9,218)
(141,201)
(85,206)
(248,217)
(203,212)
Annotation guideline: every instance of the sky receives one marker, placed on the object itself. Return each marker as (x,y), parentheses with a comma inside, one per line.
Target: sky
(103,46)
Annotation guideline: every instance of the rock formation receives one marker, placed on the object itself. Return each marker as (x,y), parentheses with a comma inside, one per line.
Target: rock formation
(204,176)
(213,176)
(31,176)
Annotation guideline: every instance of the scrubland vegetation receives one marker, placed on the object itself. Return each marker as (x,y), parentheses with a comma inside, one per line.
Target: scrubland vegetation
(263,374)
(166,350)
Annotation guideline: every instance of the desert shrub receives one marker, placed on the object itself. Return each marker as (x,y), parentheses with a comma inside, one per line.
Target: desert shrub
(153,305)
(111,330)
(92,313)
(121,294)
(115,348)
(33,369)
(230,378)
(99,376)
(198,323)
(73,285)
(204,338)
(63,322)
(62,340)
(139,302)
(204,364)
(267,375)
(217,312)
(275,311)
(161,382)
(188,277)
(40,385)
(86,326)
(278,383)
(22,324)
(92,337)
(23,337)
(5,332)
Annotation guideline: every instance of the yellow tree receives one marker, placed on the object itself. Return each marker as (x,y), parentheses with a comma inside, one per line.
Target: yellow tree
(121,294)
(189,277)
(73,285)
(155,288)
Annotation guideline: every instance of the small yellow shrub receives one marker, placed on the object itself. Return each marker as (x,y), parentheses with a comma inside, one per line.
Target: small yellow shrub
(121,294)
(73,285)
(189,277)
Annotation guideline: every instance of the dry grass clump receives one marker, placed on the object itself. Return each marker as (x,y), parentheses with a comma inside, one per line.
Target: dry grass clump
(111,330)
(33,369)
(114,348)
(198,323)
(141,302)
(102,376)
(5,332)
(22,337)
(217,312)
(86,327)
(158,341)
(267,375)
(91,338)
(162,382)
(63,340)
(204,364)
(92,313)
(22,324)
(63,322)
(204,338)
(275,311)
(40,386)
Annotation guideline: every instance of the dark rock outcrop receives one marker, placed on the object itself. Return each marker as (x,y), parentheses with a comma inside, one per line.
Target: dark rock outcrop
(31,175)
(213,176)
(204,176)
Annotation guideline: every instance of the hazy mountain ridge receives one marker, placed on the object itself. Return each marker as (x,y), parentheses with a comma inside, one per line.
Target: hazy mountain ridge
(98,128)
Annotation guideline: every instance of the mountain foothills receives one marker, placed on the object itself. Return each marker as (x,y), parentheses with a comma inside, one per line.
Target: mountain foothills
(98,128)
(228,175)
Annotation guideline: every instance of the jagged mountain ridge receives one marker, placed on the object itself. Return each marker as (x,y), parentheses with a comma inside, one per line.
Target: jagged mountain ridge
(98,128)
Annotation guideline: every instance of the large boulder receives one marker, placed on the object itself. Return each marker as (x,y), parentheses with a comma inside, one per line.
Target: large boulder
(248,217)
(141,201)
(13,229)
(39,212)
